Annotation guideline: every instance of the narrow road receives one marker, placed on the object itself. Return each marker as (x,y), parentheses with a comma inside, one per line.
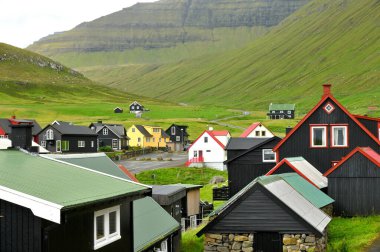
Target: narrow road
(375,247)
(218,121)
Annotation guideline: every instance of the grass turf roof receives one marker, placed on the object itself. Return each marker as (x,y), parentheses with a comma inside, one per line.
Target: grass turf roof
(151,223)
(59,183)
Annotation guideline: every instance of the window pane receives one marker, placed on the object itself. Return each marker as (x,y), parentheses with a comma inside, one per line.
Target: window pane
(318,136)
(112,227)
(99,227)
(339,136)
(269,155)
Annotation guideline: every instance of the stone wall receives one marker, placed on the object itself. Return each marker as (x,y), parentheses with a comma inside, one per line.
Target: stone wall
(244,243)
(228,242)
(303,243)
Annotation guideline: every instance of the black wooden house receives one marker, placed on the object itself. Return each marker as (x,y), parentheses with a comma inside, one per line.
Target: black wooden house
(281,111)
(178,136)
(51,206)
(65,137)
(113,135)
(326,134)
(354,183)
(136,107)
(247,159)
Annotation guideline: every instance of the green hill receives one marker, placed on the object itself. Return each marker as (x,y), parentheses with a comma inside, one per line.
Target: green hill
(166,31)
(325,41)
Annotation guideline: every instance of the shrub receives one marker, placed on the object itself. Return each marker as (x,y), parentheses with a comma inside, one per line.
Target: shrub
(106,148)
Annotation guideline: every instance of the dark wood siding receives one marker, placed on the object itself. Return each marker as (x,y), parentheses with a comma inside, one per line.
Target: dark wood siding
(74,143)
(259,211)
(246,168)
(284,168)
(20,230)
(355,186)
(106,140)
(299,143)
(371,125)
(50,144)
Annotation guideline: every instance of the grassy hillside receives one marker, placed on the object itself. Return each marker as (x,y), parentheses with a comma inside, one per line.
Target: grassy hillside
(324,41)
(165,31)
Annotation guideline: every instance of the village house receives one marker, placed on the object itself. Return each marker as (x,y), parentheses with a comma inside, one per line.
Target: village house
(118,110)
(178,137)
(281,111)
(328,133)
(208,150)
(247,159)
(257,130)
(56,206)
(354,183)
(113,135)
(6,127)
(136,107)
(272,213)
(64,137)
(147,136)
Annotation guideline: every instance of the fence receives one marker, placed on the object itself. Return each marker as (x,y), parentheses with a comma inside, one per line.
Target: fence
(222,193)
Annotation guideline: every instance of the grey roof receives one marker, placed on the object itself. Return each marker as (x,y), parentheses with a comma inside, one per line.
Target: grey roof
(95,161)
(273,106)
(67,128)
(244,143)
(179,127)
(118,129)
(163,134)
(143,130)
(167,194)
(5,125)
(292,197)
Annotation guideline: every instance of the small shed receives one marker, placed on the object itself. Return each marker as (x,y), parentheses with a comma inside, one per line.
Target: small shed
(118,110)
(268,214)
(170,198)
(354,183)
(303,168)
(281,111)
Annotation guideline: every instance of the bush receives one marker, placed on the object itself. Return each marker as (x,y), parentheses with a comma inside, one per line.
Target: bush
(106,148)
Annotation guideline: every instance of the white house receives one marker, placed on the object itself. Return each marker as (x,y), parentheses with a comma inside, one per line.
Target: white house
(257,130)
(208,150)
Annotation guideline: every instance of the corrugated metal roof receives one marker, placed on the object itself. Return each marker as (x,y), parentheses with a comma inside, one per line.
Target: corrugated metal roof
(5,124)
(67,128)
(307,170)
(250,129)
(301,204)
(273,106)
(243,143)
(57,182)
(167,194)
(151,223)
(189,186)
(95,161)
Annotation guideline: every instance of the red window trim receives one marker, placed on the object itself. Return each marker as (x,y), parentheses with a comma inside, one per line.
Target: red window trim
(332,134)
(311,136)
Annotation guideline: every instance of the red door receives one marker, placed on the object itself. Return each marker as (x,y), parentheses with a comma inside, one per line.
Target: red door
(200,155)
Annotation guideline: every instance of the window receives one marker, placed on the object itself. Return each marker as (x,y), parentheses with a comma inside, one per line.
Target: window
(58,146)
(178,138)
(195,154)
(173,130)
(148,139)
(206,139)
(43,144)
(269,156)
(114,143)
(65,145)
(92,144)
(156,130)
(164,246)
(105,131)
(106,226)
(153,139)
(273,112)
(159,139)
(281,111)
(329,108)
(339,136)
(183,224)
(139,139)
(263,133)
(132,107)
(318,136)
(81,144)
(133,129)
(208,150)
(289,112)
(49,134)
(257,133)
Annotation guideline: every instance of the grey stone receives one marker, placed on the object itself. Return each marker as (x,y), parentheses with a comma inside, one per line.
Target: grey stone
(250,237)
(217,180)
(247,249)
(247,244)
(223,249)
(231,237)
(209,248)
(215,236)
(236,245)
(310,239)
(241,238)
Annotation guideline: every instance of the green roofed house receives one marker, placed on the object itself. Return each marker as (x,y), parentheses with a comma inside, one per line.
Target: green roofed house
(51,205)
(272,213)
(154,228)
(281,111)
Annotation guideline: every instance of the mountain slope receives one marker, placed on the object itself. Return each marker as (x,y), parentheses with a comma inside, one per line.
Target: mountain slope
(166,31)
(324,41)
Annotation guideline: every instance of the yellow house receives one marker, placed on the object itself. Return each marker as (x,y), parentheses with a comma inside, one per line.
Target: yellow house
(147,136)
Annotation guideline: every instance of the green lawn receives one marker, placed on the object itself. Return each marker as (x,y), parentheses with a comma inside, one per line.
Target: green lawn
(352,234)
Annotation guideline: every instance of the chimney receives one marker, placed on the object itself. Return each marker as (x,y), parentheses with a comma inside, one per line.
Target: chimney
(21,134)
(326,89)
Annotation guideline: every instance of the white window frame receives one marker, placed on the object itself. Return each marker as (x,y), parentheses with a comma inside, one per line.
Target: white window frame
(81,144)
(312,127)
(49,134)
(108,238)
(289,112)
(178,138)
(193,221)
(58,146)
(43,143)
(164,246)
(115,144)
(92,144)
(173,130)
(270,160)
(345,140)
(183,224)
(105,132)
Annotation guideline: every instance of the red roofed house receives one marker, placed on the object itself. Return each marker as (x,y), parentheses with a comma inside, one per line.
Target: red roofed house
(208,150)
(354,183)
(257,130)
(327,133)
